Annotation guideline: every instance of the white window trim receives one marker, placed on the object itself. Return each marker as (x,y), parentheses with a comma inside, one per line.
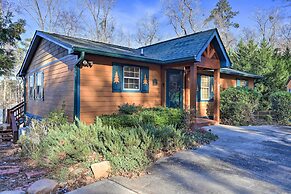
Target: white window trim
(41,85)
(209,89)
(124,77)
(31,88)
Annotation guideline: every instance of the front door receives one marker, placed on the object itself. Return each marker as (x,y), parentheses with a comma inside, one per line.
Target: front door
(174,88)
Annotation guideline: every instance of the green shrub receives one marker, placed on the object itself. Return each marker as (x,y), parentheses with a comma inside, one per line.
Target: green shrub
(237,106)
(129,142)
(281,107)
(158,117)
(129,108)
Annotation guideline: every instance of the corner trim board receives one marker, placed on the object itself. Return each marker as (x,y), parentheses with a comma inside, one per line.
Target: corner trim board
(77,87)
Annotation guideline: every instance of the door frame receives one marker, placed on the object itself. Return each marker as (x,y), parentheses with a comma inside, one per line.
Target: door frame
(168,71)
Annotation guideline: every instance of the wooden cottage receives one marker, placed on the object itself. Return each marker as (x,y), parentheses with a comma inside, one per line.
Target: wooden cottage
(88,78)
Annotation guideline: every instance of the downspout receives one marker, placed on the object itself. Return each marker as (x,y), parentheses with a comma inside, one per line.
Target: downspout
(77,86)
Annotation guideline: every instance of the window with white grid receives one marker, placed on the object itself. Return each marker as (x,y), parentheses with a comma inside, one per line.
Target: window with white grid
(205,87)
(131,78)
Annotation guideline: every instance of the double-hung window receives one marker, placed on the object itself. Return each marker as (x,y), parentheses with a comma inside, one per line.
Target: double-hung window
(205,87)
(31,86)
(39,85)
(131,78)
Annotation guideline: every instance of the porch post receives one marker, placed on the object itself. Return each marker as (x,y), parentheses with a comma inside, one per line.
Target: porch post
(163,87)
(217,95)
(193,87)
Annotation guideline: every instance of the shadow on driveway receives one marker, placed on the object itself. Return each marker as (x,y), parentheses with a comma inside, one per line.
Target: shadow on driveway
(243,160)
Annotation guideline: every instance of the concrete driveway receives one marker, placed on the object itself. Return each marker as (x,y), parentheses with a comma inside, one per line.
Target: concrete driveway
(243,160)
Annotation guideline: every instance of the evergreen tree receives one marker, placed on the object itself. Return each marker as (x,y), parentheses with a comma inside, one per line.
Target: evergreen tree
(9,35)
(264,60)
(244,56)
(222,16)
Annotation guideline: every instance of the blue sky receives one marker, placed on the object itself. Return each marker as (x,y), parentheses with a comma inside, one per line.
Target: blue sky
(127,13)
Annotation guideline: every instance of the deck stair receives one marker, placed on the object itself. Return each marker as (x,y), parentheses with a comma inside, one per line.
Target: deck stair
(15,118)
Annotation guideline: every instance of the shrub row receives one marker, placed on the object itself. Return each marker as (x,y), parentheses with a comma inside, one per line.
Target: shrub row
(238,106)
(129,140)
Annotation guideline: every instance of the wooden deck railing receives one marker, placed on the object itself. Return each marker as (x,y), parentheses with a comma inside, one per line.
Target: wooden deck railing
(15,117)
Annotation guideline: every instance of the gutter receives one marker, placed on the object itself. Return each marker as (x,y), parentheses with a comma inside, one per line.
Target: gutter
(77,86)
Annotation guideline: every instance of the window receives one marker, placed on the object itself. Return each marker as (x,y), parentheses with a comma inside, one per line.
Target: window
(39,85)
(31,86)
(205,87)
(242,83)
(131,78)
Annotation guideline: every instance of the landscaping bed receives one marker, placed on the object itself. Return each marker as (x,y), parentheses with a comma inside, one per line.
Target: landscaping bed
(130,140)
(17,172)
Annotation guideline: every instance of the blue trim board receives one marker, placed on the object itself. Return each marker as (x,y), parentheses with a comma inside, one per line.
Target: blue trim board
(33,116)
(77,93)
(77,86)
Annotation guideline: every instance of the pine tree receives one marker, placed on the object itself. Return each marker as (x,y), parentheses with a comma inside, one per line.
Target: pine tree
(9,35)
(263,59)
(222,16)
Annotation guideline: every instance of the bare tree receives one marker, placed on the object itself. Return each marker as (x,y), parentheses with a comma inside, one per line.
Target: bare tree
(268,24)
(183,15)
(103,24)
(69,23)
(123,38)
(273,27)
(148,31)
(44,12)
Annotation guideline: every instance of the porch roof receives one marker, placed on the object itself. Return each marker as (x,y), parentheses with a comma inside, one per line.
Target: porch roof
(230,71)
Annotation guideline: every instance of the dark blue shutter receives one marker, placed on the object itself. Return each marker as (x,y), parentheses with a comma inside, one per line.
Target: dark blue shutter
(237,82)
(198,95)
(144,79)
(117,78)
(211,88)
(247,84)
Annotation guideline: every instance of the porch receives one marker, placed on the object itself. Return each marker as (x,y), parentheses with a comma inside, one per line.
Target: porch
(192,86)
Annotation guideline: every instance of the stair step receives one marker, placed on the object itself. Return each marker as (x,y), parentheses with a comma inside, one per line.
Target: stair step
(6,131)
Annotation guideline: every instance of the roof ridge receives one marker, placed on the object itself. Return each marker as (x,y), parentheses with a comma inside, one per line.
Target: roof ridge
(195,33)
(99,42)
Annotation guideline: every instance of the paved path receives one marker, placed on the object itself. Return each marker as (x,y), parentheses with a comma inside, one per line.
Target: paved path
(243,160)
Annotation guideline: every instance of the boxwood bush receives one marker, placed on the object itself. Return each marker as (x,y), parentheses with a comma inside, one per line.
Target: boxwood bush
(238,105)
(281,107)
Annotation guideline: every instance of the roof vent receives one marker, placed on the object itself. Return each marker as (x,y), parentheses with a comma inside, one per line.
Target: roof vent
(141,52)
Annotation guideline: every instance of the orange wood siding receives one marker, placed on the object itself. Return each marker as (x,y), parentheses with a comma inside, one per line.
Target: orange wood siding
(227,81)
(58,80)
(96,96)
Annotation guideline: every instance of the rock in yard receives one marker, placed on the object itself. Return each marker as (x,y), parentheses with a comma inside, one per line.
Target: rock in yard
(13,192)
(43,186)
(101,169)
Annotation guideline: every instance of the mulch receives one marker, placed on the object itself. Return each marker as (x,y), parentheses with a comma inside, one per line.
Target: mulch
(17,173)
